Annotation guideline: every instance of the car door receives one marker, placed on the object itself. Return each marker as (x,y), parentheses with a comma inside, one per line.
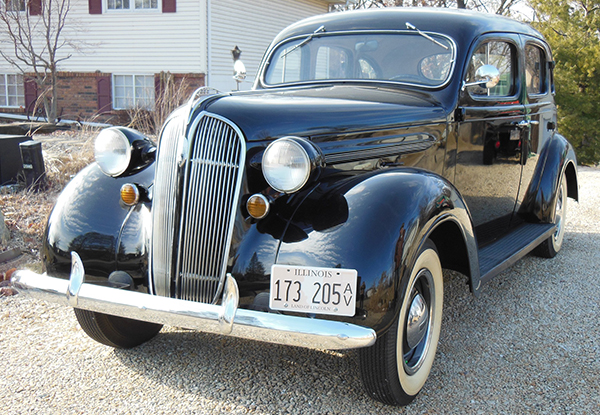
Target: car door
(537,96)
(488,169)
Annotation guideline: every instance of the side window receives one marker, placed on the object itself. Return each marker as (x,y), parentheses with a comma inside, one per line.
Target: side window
(501,55)
(534,70)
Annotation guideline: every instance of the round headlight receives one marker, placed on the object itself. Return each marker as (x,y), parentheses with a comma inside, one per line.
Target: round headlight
(286,165)
(112,151)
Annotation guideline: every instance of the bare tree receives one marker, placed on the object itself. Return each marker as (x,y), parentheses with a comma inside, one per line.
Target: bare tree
(503,7)
(31,37)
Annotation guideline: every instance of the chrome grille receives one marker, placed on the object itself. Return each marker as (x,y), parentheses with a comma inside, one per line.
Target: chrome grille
(210,201)
(164,206)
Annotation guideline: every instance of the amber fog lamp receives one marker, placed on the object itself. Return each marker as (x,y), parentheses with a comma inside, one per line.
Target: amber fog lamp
(130,194)
(258,206)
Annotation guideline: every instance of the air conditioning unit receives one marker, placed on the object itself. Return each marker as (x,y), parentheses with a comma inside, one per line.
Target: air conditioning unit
(10,157)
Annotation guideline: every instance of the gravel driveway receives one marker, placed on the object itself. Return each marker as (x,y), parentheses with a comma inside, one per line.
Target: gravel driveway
(529,344)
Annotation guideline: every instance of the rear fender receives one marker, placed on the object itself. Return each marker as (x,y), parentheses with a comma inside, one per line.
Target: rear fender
(375,224)
(559,159)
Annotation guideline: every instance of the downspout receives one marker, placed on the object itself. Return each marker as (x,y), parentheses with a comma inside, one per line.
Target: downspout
(208,41)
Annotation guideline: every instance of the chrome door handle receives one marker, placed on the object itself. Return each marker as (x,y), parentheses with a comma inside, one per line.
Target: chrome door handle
(526,123)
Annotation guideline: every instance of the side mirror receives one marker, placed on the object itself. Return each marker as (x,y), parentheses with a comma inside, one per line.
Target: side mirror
(486,76)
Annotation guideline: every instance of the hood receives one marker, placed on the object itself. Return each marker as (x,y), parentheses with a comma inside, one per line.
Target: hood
(310,112)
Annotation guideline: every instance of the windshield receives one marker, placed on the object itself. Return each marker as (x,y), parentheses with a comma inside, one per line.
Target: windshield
(391,57)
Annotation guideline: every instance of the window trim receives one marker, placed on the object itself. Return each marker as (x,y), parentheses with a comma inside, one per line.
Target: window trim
(545,70)
(114,96)
(5,92)
(266,62)
(515,64)
(25,8)
(132,8)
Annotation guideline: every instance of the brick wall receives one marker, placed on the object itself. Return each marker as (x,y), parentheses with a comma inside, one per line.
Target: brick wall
(78,96)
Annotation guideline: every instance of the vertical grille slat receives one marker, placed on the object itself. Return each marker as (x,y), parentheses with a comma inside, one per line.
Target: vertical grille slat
(209,209)
(196,262)
(164,206)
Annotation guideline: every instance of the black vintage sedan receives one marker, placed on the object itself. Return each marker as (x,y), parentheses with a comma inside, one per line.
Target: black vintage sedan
(319,209)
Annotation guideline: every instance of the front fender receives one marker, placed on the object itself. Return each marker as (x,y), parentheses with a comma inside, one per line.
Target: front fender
(559,159)
(375,224)
(90,218)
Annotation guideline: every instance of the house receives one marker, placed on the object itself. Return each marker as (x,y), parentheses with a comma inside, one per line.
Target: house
(125,50)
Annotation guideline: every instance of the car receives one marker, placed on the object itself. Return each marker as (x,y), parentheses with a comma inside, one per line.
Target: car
(375,149)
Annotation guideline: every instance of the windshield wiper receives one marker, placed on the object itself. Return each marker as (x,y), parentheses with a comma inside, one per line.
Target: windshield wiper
(425,35)
(304,42)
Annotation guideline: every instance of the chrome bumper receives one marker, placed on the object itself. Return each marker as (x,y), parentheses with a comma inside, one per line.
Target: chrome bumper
(220,319)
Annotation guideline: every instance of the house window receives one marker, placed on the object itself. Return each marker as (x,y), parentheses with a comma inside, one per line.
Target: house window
(133,91)
(132,4)
(12,91)
(15,5)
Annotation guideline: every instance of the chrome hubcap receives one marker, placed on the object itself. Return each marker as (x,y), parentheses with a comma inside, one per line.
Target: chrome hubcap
(418,317)
(417,326)
(559,215)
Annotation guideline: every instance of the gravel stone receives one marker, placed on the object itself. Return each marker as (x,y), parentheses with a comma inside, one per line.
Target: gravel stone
(529,344)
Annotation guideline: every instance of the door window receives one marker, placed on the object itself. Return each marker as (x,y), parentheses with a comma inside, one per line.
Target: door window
(498,54)
(534,70)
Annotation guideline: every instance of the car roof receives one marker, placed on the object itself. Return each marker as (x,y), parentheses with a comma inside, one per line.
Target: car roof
(462,25)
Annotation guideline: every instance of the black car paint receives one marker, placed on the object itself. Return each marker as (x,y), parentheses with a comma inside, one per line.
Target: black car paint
(89,218)
(375,137)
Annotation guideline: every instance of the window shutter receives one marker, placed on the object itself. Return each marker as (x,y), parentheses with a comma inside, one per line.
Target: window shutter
(95,6)
(35,7)
(169,6)
(104,94)
(158,87)
(31,95)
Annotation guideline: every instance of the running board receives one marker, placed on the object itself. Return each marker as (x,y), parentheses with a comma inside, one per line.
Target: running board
(501,254)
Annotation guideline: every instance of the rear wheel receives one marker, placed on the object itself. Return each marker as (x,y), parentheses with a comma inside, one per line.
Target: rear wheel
(395,369)
(550,247)
(119,332)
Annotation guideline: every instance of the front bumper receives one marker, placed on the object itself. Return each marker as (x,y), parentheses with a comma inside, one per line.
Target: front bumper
(220,319)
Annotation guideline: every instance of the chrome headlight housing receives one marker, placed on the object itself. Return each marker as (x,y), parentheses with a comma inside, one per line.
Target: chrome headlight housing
(289,163)
(119,150)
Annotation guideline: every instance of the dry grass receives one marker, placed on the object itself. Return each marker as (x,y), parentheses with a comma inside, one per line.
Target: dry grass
(26,210)
(173,93)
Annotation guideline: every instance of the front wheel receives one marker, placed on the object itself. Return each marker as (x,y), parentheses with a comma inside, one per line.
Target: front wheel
(396,367)
(119,332)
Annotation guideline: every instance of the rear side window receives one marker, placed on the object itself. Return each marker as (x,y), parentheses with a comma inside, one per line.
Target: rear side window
(535,70)
(502,56)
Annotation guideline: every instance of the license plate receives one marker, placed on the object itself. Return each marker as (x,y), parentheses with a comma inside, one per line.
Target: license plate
(313,290)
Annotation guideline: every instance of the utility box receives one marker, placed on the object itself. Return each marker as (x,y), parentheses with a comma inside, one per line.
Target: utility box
(10,157)
(33,163)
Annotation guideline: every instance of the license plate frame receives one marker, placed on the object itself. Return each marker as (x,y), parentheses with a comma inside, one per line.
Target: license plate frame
(316,290)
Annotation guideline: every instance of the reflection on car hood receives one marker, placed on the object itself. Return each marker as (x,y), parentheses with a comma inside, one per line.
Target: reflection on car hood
(307,112)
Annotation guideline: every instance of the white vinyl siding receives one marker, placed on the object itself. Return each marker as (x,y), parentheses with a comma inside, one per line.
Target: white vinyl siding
(133,91)
(251,26)
(136,41)
(12,91)
(147,41)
